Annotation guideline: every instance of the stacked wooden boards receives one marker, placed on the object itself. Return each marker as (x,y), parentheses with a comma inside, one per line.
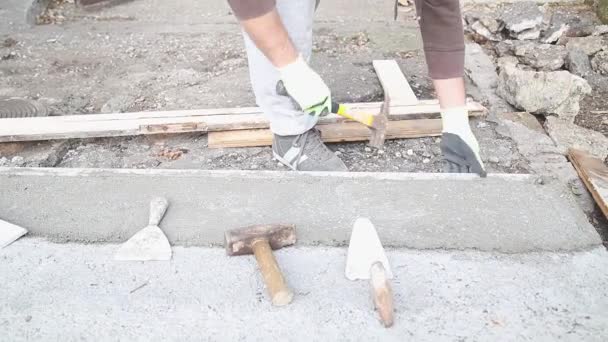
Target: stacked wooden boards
(410,117)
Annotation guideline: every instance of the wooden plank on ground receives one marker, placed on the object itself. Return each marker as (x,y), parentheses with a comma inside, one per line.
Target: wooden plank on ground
(594,174)
(394,83)
(211,120)
(336,132)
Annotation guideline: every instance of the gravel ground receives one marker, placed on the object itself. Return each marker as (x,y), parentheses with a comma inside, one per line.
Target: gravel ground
(132,58)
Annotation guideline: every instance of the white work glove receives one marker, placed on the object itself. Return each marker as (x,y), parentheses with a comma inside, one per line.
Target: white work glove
(306,88)
(459,146)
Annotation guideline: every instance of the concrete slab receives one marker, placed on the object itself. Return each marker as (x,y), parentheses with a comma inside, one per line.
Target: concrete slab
(506,213)
(77,292)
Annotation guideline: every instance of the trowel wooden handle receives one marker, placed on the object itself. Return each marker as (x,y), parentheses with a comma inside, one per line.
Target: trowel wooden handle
(280,294)
(158,207)
(382,294)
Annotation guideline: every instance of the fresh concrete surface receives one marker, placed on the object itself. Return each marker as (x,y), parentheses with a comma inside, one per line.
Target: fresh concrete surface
(77,292)
(507,213)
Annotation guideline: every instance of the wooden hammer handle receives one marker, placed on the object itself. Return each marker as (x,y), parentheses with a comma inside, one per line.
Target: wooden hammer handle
(280,294)
(382,293)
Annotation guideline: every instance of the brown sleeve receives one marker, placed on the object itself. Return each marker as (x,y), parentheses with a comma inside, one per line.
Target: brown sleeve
(247,9)
(442,37)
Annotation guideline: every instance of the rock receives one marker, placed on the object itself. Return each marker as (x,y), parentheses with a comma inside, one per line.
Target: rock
(483,31)
(507,60)
(578,63)
(531,34)
(590,45)
(118,104)
(555,92)
(566,135)
(410,152)
(3,161)
(521,17)
(600,30)
(544,57)
(504,48)
(479,67)
(599,63)
(557,28)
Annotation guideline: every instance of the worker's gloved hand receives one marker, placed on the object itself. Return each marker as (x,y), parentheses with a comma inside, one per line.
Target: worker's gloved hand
(306,88)
(459,146)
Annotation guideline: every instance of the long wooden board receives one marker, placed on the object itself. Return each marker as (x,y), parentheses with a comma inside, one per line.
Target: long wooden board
(212,120)
(394,83)
(336,132)
(594,174)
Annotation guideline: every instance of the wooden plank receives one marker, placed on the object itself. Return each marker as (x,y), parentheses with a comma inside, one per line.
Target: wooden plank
(403,111)
(594,174)
(127,124)
(394,83)
(336,132)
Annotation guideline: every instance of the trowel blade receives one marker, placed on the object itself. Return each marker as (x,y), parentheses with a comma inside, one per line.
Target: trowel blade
(148,244)
(364,250)
(9,233)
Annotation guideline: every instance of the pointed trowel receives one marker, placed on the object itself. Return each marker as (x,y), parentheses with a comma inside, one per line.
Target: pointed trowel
(366,260)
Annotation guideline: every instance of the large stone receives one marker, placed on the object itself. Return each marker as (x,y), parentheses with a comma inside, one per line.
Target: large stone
(520,17)
(479,67)
(555,92)
(599,63)
(531,34)
(479,28)
(578,63)
(600,30)
(590,45)
(544,57)
(504,48)
(557,28)
(566,135)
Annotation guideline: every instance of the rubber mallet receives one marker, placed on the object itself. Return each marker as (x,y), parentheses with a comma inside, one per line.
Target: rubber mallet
(260,240)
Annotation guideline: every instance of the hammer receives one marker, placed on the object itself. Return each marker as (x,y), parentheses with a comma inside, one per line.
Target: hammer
(261,240)
(377,123)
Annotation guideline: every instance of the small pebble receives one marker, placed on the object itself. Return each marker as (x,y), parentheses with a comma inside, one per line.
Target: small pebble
(3,161)
(398,155)
(494,160)
(338,153)
(367,149)
(426,161)
(482,125)
(254,167)
(28,318)
(380,151)
(410,152)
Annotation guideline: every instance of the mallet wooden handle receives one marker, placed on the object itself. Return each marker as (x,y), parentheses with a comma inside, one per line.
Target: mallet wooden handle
(277,287)
(382,293)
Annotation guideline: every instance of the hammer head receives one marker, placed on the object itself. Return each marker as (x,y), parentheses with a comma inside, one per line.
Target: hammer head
(239,241)
(380,125)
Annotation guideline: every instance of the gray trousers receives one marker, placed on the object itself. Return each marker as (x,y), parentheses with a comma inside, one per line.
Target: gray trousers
(285,119)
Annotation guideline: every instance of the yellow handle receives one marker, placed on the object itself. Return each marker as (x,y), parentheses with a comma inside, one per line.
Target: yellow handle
(364,118)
